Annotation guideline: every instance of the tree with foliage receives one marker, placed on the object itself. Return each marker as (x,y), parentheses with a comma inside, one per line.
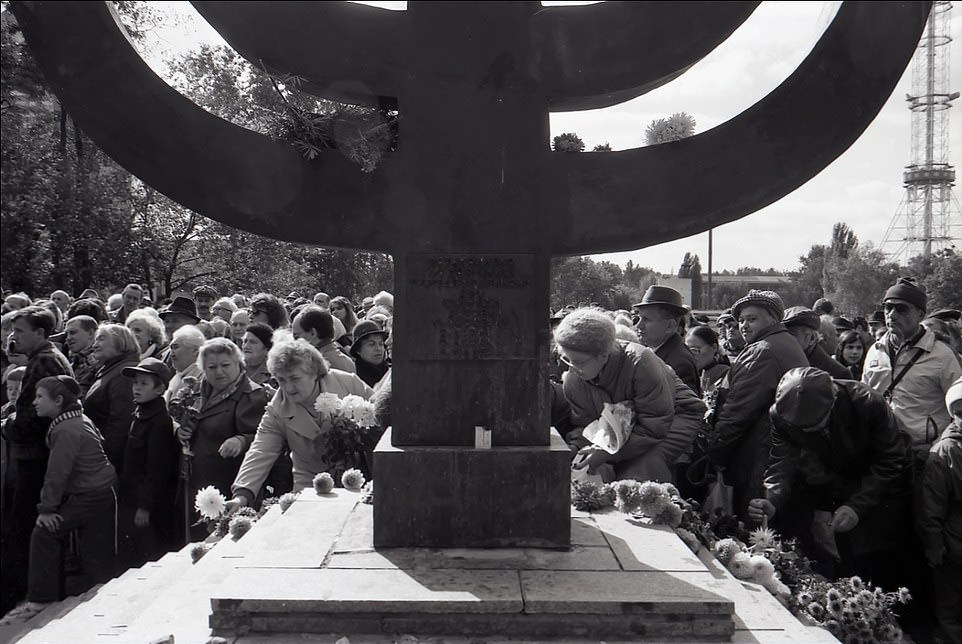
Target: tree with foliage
(568,142)
(941,276)
(678,126)
(581,281)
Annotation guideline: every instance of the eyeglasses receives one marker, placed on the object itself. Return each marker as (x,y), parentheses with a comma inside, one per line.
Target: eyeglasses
(576,365)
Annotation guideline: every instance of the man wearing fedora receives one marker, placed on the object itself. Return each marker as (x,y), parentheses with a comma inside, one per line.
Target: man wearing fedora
(181,312)
(660,314)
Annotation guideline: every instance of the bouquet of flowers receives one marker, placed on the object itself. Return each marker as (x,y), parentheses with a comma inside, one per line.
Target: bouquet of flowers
(349,432)
(850,609)
(184,406)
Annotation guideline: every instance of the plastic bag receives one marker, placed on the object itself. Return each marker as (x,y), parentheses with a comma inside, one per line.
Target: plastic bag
(719,497)
(611,431)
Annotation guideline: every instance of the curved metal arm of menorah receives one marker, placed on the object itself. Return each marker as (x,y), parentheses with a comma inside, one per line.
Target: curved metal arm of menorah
(603,54)
(343,51)
(213,167)
(637,198)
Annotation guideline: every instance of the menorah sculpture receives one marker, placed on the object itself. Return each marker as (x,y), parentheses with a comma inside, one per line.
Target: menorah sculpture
(473,203)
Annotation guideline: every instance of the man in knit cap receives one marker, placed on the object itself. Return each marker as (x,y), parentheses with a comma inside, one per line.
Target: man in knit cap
(742,430)
(804,325)
(911,368)
(840,476)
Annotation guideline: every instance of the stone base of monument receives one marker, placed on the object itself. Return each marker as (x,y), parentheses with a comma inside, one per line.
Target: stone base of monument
(473,498)
(616,581)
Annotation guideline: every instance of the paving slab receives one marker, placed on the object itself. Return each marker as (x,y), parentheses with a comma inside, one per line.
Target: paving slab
(606,593)
(640,546)
(370,591)
(577,558)
(299,538)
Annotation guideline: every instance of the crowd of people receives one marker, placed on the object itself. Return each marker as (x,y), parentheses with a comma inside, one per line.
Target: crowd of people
(843,432)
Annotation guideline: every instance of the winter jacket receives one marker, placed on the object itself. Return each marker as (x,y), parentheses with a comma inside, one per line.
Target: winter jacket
(150,461)
(741,435)
(676,354)
(110,405)
(26,432)
(288,425)
(939,519)
(918,400)
(77,460)
(860,459)
(635,374)
(236,415)
(821,360)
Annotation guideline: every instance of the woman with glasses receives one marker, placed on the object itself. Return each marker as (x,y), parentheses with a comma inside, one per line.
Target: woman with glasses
(711,363)
(603,369)
(342,309)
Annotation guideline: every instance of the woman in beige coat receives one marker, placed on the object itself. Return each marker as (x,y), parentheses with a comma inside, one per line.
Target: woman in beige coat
(290,420)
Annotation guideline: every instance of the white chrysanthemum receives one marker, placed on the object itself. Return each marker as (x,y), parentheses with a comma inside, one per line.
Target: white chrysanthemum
(210,502)
(327,404)
(364,416)
(762,538)
(353,479)
(741,566)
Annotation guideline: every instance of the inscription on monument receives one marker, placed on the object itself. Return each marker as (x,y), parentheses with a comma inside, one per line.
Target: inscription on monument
(473,306)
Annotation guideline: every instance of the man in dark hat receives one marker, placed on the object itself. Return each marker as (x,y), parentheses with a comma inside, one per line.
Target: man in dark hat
(876,324)
(911,368)
(660,315)
(181,312)
(204,296)
(804,323)
(839,479)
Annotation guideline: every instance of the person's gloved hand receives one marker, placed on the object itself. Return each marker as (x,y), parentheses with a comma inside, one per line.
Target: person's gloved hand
(591,457)
(184,433)
(844,519)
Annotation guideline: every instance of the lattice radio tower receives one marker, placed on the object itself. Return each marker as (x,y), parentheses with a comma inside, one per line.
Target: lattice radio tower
(928,218)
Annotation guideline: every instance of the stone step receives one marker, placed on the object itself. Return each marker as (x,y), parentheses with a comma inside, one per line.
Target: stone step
(54,612)
(188,597)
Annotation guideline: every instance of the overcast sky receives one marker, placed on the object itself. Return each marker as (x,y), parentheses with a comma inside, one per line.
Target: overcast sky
(862,187)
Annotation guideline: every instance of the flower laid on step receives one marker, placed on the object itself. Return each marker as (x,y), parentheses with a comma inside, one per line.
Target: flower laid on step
(353,480)
(323,483)
(627,495)
(239,526)
(198,550)
(286,501)
(588,496)
(209,502)
(850,609)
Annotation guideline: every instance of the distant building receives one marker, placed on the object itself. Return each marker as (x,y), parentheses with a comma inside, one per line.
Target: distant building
(726,288)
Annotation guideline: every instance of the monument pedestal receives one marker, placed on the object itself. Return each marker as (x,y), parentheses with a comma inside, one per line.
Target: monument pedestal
(442,497)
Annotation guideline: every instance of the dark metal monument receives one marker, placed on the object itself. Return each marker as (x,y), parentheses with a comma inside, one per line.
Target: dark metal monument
(473,203)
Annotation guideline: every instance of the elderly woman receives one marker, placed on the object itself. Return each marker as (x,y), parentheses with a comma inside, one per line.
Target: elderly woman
(603,369)
(184,347)
(291,420)
(370,352)
(148,329)
(711,363)
(109,402)
(230,407)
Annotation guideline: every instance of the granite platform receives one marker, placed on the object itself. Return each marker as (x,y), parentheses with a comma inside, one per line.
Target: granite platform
(323,575)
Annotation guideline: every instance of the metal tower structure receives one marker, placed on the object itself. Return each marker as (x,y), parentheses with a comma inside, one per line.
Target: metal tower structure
(928,218)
